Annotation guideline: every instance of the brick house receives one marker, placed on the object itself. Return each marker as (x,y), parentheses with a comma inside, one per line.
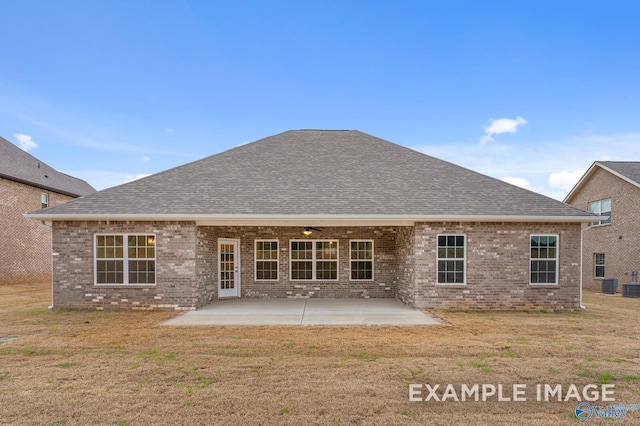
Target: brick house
(27,184)
(313,213)
(611,248)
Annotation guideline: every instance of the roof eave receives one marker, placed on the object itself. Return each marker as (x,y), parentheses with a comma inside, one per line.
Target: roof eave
(40,186)
(309,220)
(587,176)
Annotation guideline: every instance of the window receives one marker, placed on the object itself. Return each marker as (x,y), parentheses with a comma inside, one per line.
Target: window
(361,260)
(598,262)
(603,208)
(544,259)
(314,260)
(44,200)
(266,260)
(125,259)
(451,259)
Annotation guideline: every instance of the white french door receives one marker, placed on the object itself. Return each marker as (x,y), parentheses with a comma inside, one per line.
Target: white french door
(228,268)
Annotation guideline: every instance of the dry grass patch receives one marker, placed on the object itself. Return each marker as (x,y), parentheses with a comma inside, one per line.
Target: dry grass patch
(124,368)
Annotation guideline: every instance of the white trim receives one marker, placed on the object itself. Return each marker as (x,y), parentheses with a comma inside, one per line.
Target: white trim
(314,259)
(557,259)
(256,260)
(595,265)
(601,222)
(373,263)
(464,260)
(237,265)
(125,259)
(304,220)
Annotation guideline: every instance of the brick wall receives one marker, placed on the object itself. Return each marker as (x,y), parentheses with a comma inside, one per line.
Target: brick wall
(498,256)
(25,244)
(384,284)
(404,266)
(176,284)
(405,252)
(620,240)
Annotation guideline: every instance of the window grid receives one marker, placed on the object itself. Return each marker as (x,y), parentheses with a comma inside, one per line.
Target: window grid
(361,260)
(125,259)
(603,208)
(598,263)
(266,258)
(451,259)
(544,259)
(314,260)
(226,266)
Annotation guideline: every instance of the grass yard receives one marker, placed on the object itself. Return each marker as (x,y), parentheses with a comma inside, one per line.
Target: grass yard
(124,368)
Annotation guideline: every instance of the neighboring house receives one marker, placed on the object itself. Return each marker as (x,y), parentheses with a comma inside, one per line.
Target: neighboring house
(27,184)
(611,248)
(314,213)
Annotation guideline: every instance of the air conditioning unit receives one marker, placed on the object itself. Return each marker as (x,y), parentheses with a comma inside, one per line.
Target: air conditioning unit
(631,290)
(609,285)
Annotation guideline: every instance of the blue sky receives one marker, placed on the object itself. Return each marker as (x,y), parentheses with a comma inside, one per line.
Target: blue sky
(531,91)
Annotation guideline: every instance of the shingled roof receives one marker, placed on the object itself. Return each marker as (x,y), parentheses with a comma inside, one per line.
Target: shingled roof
(20,166)
(317,177)
(626,170)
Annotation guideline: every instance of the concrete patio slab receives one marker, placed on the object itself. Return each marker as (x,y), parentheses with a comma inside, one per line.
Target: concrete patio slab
(306,312)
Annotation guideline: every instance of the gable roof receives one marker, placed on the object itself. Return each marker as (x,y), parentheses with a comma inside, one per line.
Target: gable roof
(20,166)
(316,177)
(625,170)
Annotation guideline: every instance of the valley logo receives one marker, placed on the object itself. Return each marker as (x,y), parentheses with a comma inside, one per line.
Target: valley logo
(585,411)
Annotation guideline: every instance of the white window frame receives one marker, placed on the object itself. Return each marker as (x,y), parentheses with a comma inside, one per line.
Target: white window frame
(256,260)
(556,259)
(596,264)
(314,260)
(464,260)
(598,210)
(125,259)
(372,260)
(44,200)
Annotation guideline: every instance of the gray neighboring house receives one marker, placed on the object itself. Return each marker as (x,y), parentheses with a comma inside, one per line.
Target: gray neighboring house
(27,184)
(314,213)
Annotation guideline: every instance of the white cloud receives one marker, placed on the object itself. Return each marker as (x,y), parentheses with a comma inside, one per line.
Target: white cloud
(566,179)
(168,130)
(25,141)
(145,158)
(101,179)
(566,159)
(521,182)
(501,125)
(130,178)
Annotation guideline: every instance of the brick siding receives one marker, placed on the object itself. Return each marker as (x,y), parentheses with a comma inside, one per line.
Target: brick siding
(384,284)
(404,266)
(73,277)
(25,244)
(498,258)
(620,240)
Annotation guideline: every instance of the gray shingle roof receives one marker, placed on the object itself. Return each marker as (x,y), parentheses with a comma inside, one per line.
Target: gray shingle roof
(629,169)
(18,165)
(314,173)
